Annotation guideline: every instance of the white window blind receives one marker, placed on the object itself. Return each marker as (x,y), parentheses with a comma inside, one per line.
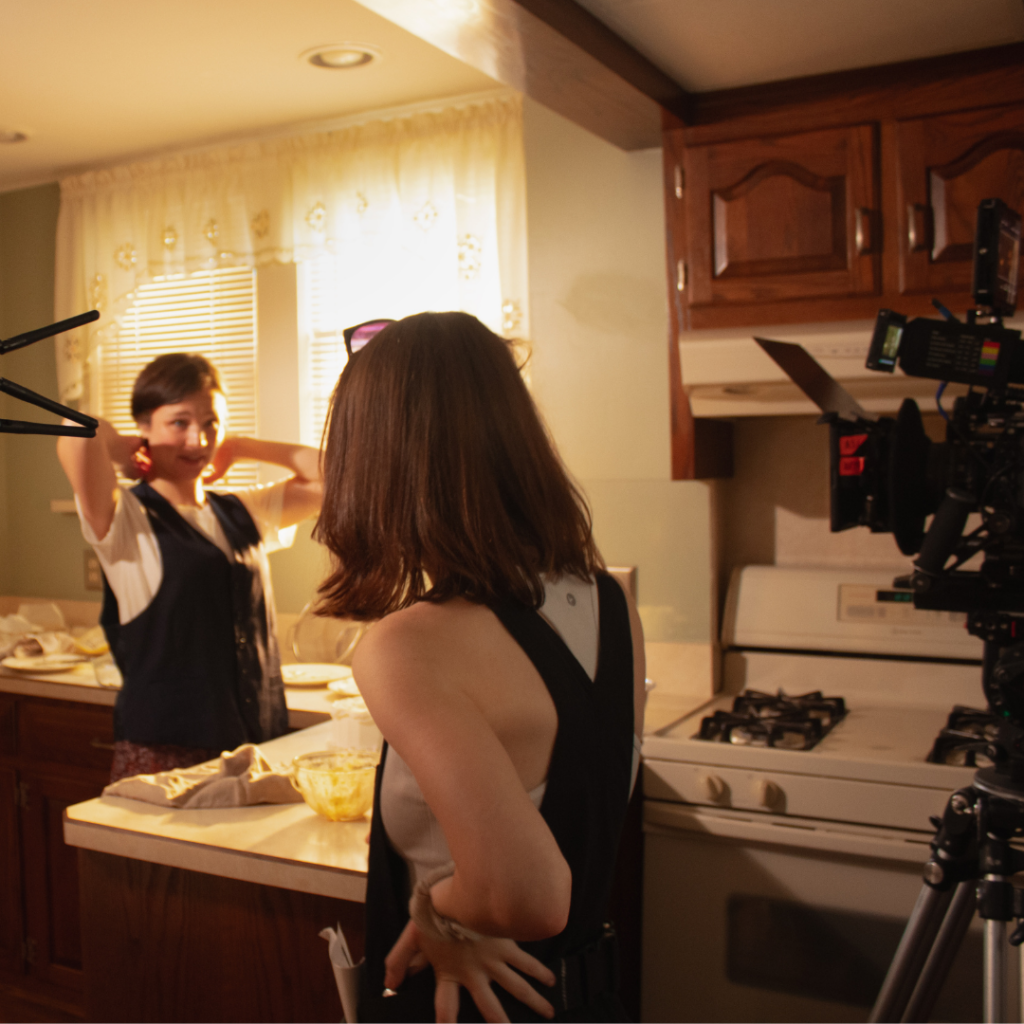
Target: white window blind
(209,312)
(324,356)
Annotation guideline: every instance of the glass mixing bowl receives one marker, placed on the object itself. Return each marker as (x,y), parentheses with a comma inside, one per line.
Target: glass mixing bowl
(337,784)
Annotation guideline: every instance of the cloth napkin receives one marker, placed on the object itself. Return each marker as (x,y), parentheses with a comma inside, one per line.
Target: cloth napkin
(238,778)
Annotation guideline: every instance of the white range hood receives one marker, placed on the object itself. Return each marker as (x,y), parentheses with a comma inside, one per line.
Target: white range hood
(726,373)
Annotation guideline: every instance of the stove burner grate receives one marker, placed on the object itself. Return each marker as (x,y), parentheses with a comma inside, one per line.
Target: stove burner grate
(966,739)
(763,720)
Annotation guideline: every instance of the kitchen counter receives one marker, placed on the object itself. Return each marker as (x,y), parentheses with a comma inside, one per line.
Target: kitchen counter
(306,705)
(217,910)
(283,845)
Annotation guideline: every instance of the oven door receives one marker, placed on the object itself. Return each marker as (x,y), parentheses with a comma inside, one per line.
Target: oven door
(754,917)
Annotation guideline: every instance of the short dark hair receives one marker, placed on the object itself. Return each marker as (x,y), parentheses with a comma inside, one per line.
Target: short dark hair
(436,462)
(170,378)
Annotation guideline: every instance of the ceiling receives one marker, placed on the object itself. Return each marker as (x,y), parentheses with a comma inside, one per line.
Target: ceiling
(718,44)
(105,81)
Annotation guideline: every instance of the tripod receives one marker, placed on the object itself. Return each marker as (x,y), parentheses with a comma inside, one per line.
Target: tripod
(969,870)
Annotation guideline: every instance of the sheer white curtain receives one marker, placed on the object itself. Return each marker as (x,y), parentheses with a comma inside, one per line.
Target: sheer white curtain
(426,211)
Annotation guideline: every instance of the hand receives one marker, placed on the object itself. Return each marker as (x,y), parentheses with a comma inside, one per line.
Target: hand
(472,964)
(223,459)
(121,448)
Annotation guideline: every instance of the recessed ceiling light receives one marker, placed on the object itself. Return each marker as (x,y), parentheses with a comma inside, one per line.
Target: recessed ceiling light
(12,136)
(339,56)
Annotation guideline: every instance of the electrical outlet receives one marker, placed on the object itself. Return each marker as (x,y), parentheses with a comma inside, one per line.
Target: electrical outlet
(93,573)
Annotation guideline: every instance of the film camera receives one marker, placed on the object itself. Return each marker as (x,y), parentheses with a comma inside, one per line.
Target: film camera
(888,475)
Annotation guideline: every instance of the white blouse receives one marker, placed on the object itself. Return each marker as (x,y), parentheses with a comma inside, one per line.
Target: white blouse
(130,554)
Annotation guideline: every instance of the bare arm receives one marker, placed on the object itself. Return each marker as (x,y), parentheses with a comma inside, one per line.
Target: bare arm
(89,465)
(303,493)
(510,876)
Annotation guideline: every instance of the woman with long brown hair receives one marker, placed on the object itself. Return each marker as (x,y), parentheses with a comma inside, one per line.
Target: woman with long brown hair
(505,670)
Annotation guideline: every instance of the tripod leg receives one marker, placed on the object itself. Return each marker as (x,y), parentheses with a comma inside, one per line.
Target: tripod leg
(995,972)
(918,937)
(947,942)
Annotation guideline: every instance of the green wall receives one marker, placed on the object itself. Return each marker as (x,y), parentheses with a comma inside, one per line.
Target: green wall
(41,552)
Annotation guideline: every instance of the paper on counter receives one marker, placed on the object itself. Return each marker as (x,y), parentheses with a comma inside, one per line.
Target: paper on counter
(346,974)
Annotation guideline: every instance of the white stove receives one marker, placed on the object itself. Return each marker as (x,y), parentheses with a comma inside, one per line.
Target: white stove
(796,868)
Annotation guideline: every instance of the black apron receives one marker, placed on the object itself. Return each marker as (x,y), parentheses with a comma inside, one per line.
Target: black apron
(200,663)
(584,805)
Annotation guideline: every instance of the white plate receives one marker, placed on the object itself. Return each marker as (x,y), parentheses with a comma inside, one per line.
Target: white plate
(344,687)
(44,663)
(313,673)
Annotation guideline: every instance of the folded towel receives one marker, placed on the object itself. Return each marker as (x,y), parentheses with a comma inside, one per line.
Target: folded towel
(237,779)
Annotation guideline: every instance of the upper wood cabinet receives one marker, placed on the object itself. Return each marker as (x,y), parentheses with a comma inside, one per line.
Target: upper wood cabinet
(947,165)
(782,218)
(825,199)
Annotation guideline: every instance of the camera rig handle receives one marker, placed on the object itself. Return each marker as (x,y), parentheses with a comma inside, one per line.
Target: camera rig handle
(88,424)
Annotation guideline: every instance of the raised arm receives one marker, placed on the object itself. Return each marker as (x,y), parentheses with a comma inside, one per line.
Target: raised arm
(303,493)
(89,465)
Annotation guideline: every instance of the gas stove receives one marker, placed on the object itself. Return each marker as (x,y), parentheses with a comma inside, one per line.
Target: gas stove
(877,678)
(795,835)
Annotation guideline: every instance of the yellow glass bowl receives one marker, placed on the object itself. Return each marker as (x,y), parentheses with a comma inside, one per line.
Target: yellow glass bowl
(337,784)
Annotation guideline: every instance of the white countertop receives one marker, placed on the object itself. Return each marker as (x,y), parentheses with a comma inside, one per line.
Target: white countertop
(284,845)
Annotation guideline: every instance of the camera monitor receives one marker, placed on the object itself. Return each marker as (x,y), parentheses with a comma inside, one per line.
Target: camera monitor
(885,342)
(997,257)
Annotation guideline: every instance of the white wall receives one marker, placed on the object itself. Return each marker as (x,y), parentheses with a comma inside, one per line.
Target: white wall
(599,321)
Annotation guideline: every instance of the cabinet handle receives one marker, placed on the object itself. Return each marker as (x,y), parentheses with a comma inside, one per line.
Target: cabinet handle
(680,182)
(919,223)
(100,745)
(680,276)
(862,231)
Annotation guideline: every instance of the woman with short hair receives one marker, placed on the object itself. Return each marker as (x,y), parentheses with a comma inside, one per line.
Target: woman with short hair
(505,670)
(188,607)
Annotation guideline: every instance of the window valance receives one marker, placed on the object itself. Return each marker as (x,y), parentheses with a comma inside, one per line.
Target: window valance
(434,198)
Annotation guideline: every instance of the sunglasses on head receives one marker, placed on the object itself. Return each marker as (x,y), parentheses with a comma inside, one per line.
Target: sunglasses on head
(359,336)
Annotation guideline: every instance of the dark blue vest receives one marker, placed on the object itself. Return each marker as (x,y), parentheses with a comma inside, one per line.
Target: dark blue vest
(200,664)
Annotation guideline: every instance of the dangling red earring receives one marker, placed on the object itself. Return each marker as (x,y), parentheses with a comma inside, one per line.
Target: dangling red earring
(143,461)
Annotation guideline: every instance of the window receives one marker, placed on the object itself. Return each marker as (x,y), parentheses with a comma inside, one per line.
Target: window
(322,346)
(210,312)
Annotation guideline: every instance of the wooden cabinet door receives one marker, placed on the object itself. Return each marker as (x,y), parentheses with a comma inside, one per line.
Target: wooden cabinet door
(779,219)
(51,879)
(11,921)
(946,166)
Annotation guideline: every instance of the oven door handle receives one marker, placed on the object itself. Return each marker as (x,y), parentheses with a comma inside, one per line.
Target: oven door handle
(682,821)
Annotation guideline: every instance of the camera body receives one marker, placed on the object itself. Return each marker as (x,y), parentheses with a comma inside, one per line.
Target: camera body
(889,476)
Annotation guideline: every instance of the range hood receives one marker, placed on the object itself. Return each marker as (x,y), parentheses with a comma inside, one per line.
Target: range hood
(727,374)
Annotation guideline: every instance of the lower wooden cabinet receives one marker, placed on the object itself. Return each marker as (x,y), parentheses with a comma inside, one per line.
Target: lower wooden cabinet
(52,754)
(164,944)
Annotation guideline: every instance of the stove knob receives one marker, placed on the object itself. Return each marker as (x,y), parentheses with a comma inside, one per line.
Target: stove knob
(767,793)
(713,786)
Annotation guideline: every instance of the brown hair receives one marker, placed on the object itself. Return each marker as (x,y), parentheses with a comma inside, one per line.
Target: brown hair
(170,378)
(436,462)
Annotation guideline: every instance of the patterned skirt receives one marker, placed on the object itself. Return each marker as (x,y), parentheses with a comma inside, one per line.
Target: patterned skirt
(142,759)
